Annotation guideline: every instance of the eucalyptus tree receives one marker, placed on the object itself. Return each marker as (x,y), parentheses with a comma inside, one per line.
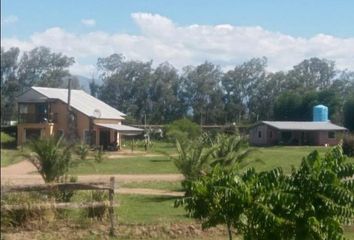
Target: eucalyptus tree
(164,103)
(241,87)
(202,90)
(37,67)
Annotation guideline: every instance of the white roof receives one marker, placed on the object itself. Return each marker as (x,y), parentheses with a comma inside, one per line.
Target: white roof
(304,126)
(123,129)
(82,102)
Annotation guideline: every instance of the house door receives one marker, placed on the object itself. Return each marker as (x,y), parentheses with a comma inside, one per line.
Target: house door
(104,138)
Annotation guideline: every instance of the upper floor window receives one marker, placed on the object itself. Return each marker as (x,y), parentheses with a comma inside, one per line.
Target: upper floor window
(23,108)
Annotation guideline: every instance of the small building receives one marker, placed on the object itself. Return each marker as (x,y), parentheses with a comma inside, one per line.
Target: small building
(44,112)
(267,133)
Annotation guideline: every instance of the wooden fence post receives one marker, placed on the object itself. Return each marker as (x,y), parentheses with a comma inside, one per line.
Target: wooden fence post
(111,205)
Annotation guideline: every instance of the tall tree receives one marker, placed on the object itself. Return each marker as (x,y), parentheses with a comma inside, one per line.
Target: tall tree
(165,105)
(126,85)
(41,67)
(311,74)
(241,86)
(204,93)
(9,82)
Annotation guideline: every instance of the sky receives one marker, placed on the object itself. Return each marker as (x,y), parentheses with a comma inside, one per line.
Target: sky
(183,32)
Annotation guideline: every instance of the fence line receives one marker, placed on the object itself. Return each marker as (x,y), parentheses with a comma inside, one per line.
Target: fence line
(65,187)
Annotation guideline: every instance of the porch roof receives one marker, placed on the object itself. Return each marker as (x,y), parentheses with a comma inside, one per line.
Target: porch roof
(122,129)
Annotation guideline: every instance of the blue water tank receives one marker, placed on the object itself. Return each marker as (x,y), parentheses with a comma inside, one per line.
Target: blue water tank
(320,113)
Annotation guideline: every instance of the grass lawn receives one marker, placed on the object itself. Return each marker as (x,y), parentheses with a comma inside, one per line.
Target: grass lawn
(10,156)
(149,209)
(171,186)
(155,147)
(282,156)
(129,165)
(273,157)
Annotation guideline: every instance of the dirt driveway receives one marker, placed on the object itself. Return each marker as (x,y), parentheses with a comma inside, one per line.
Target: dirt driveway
(25,173)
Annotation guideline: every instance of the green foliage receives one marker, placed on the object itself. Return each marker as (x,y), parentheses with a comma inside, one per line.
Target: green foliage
(312,203)
(82,150)
(183,130)
(51,157)
(7,141)
(348,145)
(230,151)
(37,67)
(21,217)
(97,212)
(65,195)
(99,155)
(193,159)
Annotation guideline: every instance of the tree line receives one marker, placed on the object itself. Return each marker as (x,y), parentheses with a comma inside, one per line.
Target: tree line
(204,93)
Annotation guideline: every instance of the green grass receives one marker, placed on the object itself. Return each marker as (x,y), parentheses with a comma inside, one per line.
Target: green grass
(10,156)
(171,186)
(284,157)
(130,165)
(272,157)
(155,147)
(149,209)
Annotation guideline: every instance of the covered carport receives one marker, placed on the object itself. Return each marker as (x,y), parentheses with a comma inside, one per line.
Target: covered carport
(110,134)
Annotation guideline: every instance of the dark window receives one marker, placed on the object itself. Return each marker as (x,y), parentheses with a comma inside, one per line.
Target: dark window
(259,134)
(33,133)
(331,134)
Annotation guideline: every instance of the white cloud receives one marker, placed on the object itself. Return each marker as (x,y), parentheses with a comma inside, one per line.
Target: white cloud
(9,19)
(163,40)
(88,22)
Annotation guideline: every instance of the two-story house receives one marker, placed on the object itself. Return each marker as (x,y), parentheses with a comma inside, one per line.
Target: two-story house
(44,112)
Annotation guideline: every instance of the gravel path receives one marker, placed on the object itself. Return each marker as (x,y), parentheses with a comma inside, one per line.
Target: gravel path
(25,173)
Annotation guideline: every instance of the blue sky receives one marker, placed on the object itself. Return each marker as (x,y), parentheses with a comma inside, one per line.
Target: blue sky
(313,27)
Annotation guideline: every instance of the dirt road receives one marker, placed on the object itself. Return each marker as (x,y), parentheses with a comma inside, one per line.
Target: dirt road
(25,173)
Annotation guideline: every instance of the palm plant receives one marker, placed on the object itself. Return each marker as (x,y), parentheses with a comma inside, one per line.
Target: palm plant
(51,157)
(230,151)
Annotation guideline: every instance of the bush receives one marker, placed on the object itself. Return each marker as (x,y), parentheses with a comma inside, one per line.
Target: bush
(348,145)
(51,157)
(21,217)
(96,212)
(65,195)
(99,155)
(183,130)
(7,141)
(82,150)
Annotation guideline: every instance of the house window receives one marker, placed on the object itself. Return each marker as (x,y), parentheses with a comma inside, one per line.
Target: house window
(23,108)
(332,134)
(259,134)
(87,137)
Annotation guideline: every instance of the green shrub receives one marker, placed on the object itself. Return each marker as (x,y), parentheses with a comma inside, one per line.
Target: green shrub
(183,130)
(7,141)
(51,157)
(65,195)
(97,212)
(348,145)
(99,155)
(82,150)
(29,213)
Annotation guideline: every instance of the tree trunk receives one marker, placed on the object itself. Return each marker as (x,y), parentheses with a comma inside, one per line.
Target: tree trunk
(229,230)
